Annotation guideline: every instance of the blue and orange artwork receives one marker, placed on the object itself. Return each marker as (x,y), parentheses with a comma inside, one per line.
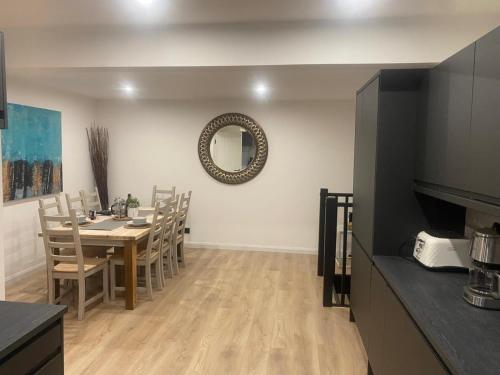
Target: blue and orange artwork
(31,153)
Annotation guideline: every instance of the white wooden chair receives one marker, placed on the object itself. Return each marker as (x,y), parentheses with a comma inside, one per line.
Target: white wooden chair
(150,256)
(180,224)
(70,266)
(75,203)
(91,201)
(168,230)
(50,203)
(161,194)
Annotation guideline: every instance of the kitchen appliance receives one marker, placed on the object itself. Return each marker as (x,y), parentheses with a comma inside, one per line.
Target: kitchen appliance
(483,289)
(436,251)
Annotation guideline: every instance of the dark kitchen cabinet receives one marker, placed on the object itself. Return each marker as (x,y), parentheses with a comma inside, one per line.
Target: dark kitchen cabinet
(407,351)
(396,345)
(485,123)
(385,210)
(443,150)
(361,268)
(378,299)
(365,149)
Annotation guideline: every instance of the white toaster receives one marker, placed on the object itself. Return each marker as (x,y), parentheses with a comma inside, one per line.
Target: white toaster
(437,252)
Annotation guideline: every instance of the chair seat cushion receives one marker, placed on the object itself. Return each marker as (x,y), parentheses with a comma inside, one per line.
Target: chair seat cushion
(89,264)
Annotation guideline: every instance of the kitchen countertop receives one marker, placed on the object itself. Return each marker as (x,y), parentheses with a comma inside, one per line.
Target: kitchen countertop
(466,338)
(19,322)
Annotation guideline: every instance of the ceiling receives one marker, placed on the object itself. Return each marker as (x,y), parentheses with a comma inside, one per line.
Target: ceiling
(56,13)
(297,82)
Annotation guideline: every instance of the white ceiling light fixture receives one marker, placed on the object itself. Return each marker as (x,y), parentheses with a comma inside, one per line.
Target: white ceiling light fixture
(128,89)
(261,90)
(145,2)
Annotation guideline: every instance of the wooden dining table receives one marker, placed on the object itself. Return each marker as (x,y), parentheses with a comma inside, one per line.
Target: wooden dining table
(125,237)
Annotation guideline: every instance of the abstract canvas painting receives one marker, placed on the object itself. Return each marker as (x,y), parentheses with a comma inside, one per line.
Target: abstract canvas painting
(31,153)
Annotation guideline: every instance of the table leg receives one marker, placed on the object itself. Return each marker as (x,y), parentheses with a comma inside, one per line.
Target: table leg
(130,271)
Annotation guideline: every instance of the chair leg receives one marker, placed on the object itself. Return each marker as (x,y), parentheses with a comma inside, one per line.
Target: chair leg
(175,262)
(181,254)
(149,281)
(81,298)
(170,271)
(159,273)
(162,271)
(112,272)
(51,287)
(105,284)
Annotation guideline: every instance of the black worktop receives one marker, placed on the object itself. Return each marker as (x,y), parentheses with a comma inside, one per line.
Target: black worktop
(19,322)
(466,338)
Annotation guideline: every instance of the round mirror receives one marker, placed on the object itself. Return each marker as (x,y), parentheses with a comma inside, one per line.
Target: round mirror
(232,148)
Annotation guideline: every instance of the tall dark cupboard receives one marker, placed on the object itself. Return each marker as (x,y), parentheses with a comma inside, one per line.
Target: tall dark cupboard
(385,210)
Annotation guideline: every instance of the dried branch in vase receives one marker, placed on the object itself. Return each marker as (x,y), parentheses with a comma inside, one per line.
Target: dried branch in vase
(98,139)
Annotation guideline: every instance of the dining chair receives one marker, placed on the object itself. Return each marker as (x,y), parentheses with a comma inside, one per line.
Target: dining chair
(50,203)
(75,203)
(91,200)
(146,258)
(159,194)
(168,229)
(70,266)
(180,224)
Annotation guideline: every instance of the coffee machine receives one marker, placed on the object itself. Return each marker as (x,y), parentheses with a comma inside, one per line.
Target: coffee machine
(483,289)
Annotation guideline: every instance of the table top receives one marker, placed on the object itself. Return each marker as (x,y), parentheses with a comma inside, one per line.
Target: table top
(466,338)
(122,233)
(19,322)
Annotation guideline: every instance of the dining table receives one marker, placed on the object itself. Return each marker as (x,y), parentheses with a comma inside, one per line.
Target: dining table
(105,231)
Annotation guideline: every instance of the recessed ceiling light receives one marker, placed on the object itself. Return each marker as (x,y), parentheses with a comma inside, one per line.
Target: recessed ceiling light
(261,90)
(128,89)
(145,2)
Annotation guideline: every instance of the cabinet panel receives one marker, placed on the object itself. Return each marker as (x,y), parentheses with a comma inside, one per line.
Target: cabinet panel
(406,349)
(378,299)
(443,156)
(365,150)
(485,126)
(360,289)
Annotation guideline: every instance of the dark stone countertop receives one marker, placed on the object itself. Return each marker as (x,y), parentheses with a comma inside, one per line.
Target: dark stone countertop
(466,338)
(19,322)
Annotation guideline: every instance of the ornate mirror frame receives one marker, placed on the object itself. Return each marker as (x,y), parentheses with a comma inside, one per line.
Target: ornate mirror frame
(255,165)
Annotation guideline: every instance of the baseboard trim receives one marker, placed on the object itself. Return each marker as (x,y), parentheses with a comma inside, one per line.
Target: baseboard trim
(20,274)
(269,249)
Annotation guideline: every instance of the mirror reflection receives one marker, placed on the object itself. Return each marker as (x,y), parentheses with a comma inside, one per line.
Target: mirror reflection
(232,148)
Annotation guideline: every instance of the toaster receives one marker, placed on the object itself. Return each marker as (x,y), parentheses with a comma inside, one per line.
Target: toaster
(433,251)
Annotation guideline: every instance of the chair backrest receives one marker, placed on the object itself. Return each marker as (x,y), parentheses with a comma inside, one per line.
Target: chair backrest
(180,221)
(49,203)
(161,194)
(169,212)
(155,235)
(91,201)
(75,203)
(54,241)
(185,200)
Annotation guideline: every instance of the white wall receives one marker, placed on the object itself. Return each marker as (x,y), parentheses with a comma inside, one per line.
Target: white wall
(310,146)
(23,249)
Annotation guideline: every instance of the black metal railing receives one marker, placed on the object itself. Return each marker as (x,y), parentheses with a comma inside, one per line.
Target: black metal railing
(335,286)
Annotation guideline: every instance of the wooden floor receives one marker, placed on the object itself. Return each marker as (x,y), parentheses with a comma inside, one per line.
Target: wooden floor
(228,312)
